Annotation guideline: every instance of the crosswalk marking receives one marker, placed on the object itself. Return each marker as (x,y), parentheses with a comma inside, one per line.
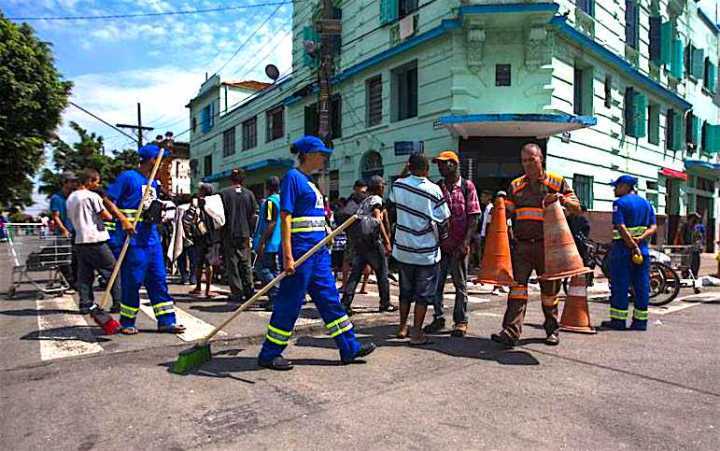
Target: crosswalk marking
(63,335)
(195,328)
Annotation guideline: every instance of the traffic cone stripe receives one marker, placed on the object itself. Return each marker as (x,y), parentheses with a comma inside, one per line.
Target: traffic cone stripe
(562,258)
(577,291)
(496,266)
(576,315)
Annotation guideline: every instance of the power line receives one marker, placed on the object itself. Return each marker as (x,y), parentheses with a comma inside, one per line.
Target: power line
(155,14)
(101,120)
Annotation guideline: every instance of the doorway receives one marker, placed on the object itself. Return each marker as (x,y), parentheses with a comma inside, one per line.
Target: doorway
(493,162)
(704,206)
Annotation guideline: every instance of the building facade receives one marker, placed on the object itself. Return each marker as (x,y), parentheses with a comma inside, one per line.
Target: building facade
(604,87)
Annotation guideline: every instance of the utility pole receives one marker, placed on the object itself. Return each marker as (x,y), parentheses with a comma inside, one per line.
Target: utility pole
(139,127)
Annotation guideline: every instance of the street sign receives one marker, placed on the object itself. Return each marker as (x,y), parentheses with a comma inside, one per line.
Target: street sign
(409,147)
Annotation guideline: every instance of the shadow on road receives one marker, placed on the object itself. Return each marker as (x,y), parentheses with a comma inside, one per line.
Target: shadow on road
(87,334)
(468,347)
(35,312)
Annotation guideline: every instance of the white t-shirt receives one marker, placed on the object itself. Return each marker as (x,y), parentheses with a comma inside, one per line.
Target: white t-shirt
(84,208)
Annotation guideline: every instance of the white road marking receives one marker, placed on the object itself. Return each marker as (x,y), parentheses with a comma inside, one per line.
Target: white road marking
(63,335)
(681,304)
(195,328)
(493,315)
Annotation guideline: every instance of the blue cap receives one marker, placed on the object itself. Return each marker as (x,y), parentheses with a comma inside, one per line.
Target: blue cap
(310,144)
(151,151)
(625,180)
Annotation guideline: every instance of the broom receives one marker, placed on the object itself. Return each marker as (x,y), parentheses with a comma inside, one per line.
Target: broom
(200,353)
(103,319)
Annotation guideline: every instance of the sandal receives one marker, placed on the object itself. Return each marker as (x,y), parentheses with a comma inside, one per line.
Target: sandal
(211,295)
(195,292)
(129,331)
(402,333)
(172,329)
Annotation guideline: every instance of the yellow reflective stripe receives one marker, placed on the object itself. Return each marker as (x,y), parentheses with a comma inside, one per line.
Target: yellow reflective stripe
(341,330)
(279,331)
(269,208)
(641,315)
(128,311)
(337,321)
(634,232)
(308,224)
(163,308)
(618,314)
(277,342)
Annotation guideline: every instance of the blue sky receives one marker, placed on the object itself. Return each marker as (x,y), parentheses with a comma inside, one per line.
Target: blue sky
(159,61)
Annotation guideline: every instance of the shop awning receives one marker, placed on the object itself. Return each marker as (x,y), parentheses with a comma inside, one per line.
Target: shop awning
(256,166)
(673,174)
(514,125)
(703,168)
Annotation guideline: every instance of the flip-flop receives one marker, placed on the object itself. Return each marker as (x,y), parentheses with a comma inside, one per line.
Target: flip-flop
(129,331)
(172,329)
(401,334)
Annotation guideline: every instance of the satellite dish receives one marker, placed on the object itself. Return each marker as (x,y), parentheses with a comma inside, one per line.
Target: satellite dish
(272,72)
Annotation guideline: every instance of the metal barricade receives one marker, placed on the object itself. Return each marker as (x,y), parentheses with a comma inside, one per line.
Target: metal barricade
(681,261)
(30,255)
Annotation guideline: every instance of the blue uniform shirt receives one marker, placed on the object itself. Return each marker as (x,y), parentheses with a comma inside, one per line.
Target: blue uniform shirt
(269,209)
(126,192)
(300,197)
(633,211)
(58,203)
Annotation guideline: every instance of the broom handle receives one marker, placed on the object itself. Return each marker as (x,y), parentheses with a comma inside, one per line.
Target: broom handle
(277,279)
(133,220)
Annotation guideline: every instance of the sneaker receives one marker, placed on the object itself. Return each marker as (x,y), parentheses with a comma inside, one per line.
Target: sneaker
(85,309)
(388,308)
(553,339)
(504,339)
(277,364)
(364,350)
(436,326)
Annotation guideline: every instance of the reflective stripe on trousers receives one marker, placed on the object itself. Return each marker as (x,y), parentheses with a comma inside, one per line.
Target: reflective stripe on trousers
(278,336)
(339,326)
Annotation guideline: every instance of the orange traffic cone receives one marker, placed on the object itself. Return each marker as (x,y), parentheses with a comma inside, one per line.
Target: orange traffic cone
(575,315)
(496,264)
(562,259)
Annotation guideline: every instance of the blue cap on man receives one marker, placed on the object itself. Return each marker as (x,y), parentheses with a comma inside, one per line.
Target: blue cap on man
(151,151)
(625,180)
(310,144)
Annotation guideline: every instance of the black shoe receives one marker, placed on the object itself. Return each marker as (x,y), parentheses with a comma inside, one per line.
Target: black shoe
(388,308)
(85,309)
(613,325)
(277,364)
(553,339)
(504,339)
(436,326)
(365,350)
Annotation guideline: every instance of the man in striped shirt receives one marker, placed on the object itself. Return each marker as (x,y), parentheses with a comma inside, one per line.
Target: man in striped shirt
(420,214)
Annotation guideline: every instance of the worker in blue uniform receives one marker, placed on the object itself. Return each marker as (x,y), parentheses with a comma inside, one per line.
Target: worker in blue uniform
(144,263)
(302,220)
(634,223)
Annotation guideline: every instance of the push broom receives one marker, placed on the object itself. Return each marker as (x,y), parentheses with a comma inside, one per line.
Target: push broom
(109,324)
(200,353)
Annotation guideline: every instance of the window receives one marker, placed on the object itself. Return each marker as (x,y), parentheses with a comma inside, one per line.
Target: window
(632,24)
(654,123)
(587,6)
(405,92)
(710,75)
(275,124)
(635,110)
(249,133)
(312,118)
(207,117)
(673,130)
(583,91)
(608,91)
(407,7)
(207,166)
(229,142)
(502,75)
(583,187)
(692,132)
(694,62)
(710,138)
(194,124)
(373,90)
(655,36)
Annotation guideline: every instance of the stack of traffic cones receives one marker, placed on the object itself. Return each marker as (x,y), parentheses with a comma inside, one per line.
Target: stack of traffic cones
(496,266)
(575,315)
(562,259)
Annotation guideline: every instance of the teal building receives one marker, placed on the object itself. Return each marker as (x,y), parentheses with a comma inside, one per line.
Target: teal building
(605,87)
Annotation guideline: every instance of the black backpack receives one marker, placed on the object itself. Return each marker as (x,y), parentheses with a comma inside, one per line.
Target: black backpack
(364,234)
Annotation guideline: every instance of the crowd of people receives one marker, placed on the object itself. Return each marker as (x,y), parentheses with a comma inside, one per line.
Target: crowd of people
(422,230)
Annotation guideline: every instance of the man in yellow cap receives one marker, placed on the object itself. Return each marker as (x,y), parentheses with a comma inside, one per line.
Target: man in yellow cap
(462,199)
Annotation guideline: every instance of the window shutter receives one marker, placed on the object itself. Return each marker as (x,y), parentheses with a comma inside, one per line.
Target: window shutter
(705,136)
(640,115)
(713,139)
(678,131)
(629,105)
(676,65)
(698,63)
(204,120)
(666,43)
(388,11)
(695,128)
(655,39)
(309,34)
(710,77)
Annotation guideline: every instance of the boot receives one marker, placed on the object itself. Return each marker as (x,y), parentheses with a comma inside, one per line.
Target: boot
(436,326)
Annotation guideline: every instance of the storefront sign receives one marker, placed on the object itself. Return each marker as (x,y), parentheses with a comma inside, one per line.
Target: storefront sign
(409,147)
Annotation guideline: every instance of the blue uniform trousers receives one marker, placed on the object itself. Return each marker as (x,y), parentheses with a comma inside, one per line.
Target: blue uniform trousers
(145,266)
(314,277)
(623,274)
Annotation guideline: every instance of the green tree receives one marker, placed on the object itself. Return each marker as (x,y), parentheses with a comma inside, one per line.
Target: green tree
(32,100)
(86,152)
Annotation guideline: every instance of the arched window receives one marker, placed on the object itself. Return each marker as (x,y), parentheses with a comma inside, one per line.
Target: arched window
(371,164)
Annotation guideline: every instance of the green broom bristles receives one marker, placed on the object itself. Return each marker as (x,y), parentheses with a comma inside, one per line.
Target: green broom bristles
(191,359)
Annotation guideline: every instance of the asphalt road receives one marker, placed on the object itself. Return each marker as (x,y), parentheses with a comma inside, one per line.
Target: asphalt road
(613,390)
